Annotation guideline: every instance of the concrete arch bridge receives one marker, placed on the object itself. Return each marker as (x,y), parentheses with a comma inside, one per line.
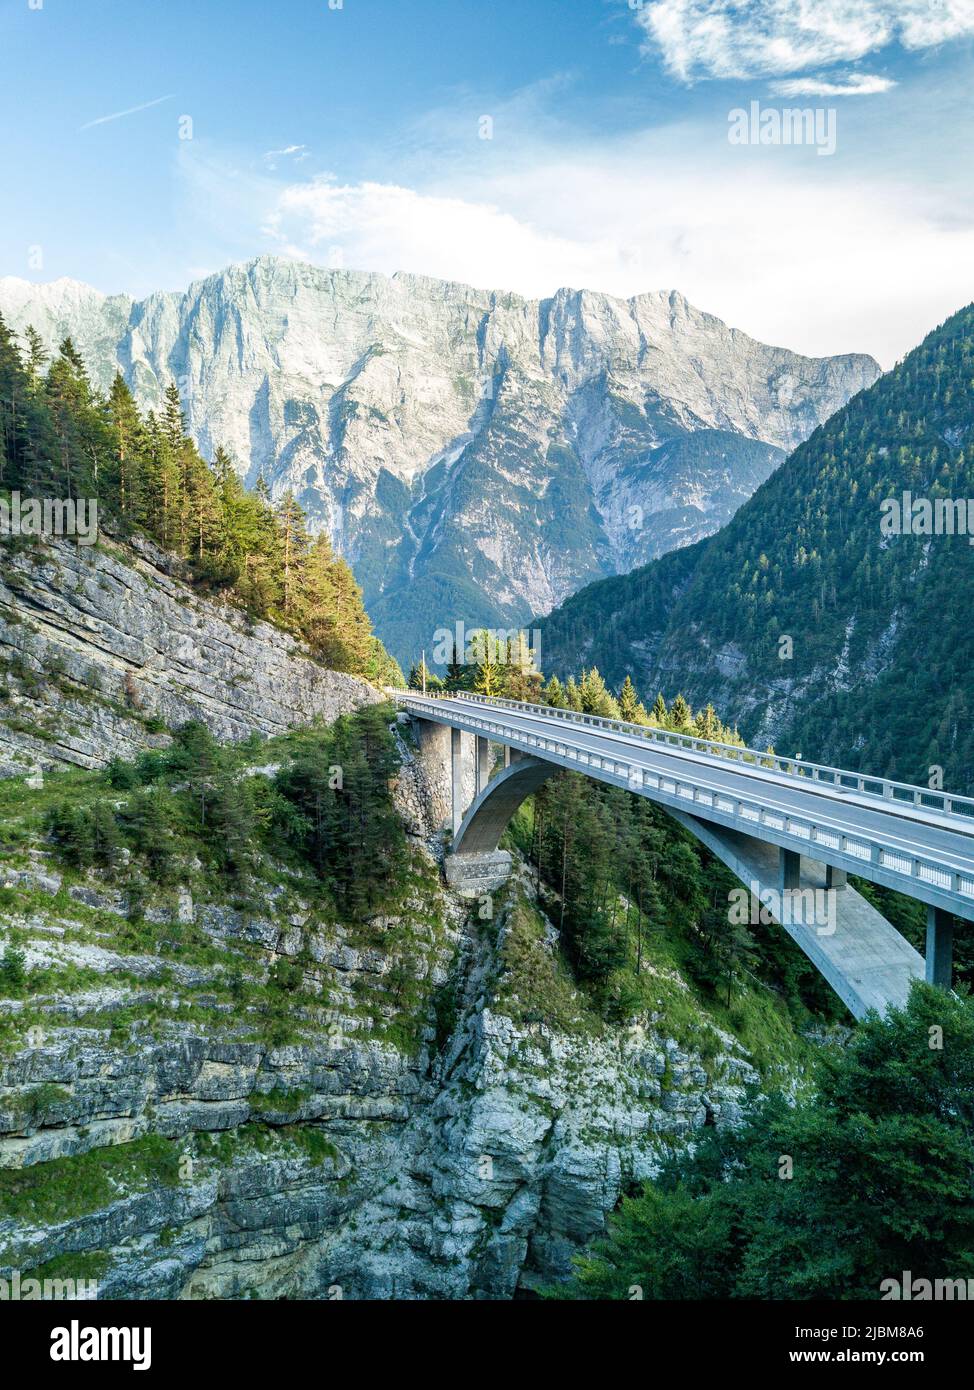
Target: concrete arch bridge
(790,830)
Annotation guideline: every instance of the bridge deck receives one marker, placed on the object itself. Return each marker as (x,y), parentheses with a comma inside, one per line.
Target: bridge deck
(925,854)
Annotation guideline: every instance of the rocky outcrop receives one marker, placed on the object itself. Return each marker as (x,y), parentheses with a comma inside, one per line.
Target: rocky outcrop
(101,648)
(179,1155)
(474,454)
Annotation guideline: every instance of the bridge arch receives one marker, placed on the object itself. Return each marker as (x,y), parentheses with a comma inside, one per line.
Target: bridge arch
(491,810)
(861,955)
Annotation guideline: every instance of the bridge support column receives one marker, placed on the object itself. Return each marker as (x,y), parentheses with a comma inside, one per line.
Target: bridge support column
(456,778)
(789,869)
(433,758)
(482,762)
(835,878)
(940,947)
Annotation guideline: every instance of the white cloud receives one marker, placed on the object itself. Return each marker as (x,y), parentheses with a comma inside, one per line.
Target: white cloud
(855,85)
(865,252)
(760,38)
(297,153)
(387,227)
(821,266)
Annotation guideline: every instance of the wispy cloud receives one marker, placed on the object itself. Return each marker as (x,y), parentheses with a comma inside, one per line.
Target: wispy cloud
(129,111)
(855,85)
(297,153)
(701,39)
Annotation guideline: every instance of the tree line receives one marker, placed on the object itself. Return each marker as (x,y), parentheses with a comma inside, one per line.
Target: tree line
(505,669)
(60,437)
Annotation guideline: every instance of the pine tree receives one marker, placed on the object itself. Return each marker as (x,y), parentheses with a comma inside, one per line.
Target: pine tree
(708,725)
(595,696)
(487,678)
(458,674)
(680,718)
(554,694)
(14,390)
(422,678)
(260,583)
(129,441)
(160,497)
(294,549)
(37,356)
(631,708)
(173,421)
(332,617)
(83,440)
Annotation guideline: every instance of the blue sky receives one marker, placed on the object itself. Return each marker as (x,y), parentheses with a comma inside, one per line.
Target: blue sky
(354,136)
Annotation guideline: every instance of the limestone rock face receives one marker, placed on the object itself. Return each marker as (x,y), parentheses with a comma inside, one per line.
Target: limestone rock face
(100,647)
(471,1164)
(474,454)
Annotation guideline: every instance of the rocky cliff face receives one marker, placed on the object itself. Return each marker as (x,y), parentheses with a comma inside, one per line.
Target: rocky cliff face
(101,648)
(441,1117)
(475,455)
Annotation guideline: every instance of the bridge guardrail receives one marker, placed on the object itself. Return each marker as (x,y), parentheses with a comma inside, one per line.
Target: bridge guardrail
(883,788)
(743,810)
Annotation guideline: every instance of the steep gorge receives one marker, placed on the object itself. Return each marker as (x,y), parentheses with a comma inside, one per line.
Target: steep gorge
(215,1083)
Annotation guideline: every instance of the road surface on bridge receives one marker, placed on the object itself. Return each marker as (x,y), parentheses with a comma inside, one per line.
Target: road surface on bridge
(902,833)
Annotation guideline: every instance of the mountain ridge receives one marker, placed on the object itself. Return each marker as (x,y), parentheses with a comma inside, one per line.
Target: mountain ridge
(800,619)
(474,454)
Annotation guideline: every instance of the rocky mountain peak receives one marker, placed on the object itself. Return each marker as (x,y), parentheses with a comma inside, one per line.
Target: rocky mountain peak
(476,454)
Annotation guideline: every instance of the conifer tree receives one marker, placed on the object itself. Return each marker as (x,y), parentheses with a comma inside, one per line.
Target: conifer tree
(127,427)
(708,725)
(554,694)
(681,716)
(595,696)
(294,549)
(36,358)
(631,707)
(487,678)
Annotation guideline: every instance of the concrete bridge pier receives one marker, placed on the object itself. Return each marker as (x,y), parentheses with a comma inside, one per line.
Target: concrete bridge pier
(482,765)
(446,758)
(789,870)
(456,767)
(940,947)
(456,779)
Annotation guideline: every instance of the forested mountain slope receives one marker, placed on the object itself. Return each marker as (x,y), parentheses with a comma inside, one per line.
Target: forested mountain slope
(63,438)
(801,619)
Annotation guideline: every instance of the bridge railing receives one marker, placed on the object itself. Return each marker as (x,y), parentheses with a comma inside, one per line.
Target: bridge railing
(883,788)
(863,853)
